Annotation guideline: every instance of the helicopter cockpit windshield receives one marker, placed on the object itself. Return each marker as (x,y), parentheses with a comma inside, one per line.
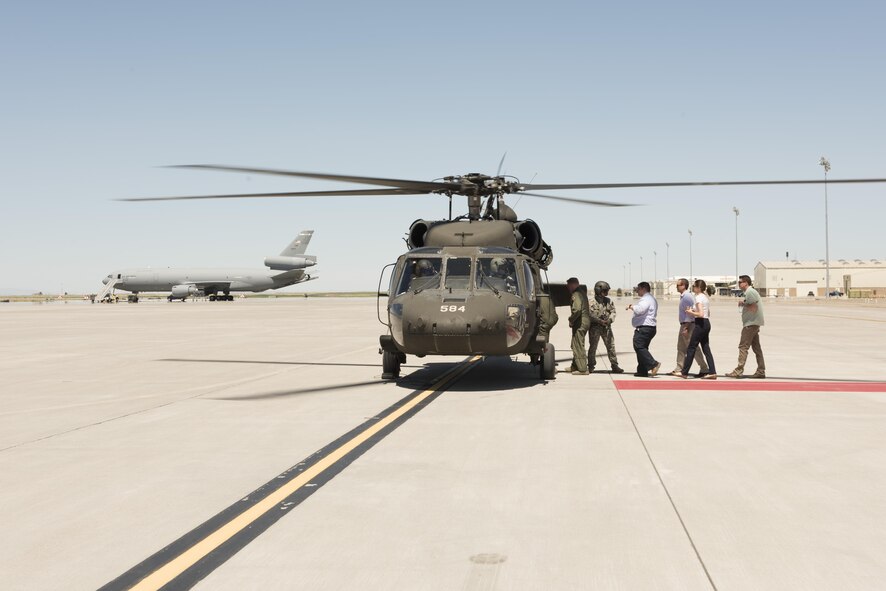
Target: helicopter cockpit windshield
(498,274)
(458,273)
(420,273)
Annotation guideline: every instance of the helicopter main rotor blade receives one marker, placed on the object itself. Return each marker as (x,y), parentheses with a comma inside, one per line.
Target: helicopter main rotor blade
(695,184)
(427,186)
(355,192)
(582,201)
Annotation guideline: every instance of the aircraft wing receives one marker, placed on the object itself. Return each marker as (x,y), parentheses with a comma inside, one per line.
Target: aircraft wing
(221,285)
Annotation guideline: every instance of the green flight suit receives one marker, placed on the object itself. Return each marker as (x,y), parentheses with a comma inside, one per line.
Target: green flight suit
(602,312)
(547,315)
(579,321)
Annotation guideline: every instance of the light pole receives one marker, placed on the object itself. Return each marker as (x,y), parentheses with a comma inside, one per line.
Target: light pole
(827,254)
(624,276)
(654,266)
(690,255)
(641,268)
(668,265)
(735,209)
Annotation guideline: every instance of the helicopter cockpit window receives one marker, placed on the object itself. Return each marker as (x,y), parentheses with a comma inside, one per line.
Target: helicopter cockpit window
(498,274)
(458,273)
(530,281)
(420,273)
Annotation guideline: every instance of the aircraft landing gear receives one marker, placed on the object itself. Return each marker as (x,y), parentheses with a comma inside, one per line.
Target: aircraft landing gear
(132,298)
(212,298)
(390,363)
(548,365)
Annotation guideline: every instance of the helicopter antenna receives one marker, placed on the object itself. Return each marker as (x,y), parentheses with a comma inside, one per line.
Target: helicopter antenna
(530,182)
(501,162)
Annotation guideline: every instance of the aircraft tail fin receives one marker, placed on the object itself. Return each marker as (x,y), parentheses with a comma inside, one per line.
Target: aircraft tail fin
(299,245)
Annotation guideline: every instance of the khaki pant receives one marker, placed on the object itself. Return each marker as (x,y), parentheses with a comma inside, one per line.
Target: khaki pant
(683,337)
(750,339)
(595,334)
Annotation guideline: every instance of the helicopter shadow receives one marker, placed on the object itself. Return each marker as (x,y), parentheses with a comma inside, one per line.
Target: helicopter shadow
(564,363)
(260,362)
(289,392)
(491,374)
(297,391)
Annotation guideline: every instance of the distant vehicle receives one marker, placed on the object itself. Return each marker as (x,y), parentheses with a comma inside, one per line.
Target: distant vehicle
(810,295)
(288,268)
(836,293)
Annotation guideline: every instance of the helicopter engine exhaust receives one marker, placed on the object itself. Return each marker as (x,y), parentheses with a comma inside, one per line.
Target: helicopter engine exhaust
(417,232)
(529,238)
(530,242)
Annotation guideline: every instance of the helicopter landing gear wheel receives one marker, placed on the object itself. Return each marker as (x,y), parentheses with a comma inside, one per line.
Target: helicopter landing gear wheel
(390,364)
(548,365)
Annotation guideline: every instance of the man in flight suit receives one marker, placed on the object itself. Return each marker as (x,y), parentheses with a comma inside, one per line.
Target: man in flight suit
(579,321)
(602,313)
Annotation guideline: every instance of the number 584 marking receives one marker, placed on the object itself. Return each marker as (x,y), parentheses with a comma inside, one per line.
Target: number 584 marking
(452,308)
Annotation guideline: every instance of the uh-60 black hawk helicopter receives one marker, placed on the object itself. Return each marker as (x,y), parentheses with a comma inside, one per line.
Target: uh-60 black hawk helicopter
(472,284)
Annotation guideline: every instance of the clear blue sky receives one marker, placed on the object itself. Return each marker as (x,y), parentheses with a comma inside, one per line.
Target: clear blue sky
(96,96)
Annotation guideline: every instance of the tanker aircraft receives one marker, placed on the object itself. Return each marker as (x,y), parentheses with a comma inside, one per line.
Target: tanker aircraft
(288,268)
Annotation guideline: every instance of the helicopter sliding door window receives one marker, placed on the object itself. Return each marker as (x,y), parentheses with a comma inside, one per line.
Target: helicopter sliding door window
(458,273)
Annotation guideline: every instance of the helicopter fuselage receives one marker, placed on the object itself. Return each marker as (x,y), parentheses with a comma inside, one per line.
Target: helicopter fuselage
(463,300)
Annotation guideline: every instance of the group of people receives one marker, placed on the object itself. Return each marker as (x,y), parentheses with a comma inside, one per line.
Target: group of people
(693,340)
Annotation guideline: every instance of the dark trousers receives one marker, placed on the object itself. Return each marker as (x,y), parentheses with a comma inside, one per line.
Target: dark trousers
(643,336)
(701,335)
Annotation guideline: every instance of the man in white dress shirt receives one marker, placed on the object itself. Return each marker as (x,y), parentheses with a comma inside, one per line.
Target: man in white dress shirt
(644,323)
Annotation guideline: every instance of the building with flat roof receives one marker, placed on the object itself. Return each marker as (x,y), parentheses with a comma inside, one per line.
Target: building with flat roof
(791,278)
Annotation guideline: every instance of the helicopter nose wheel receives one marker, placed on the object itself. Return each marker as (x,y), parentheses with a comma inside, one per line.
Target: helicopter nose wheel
(390,363)
(548,365)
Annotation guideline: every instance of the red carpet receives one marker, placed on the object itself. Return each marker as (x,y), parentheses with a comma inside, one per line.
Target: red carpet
(747,385)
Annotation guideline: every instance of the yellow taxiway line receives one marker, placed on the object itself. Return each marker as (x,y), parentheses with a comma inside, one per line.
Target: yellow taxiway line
(195,553)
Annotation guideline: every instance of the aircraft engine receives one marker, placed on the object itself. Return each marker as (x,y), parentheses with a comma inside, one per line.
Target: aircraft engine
(417,232)
(529,237)
(531,243)
(279,263)
(183,291)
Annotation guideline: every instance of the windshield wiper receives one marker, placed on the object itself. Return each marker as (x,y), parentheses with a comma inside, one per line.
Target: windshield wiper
(485,278)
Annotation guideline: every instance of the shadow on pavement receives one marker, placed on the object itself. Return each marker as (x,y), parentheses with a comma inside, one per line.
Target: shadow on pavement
(296,392)
(491,374)
(377,365)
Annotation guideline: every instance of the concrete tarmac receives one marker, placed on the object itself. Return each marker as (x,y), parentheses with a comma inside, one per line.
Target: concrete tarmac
(125,427)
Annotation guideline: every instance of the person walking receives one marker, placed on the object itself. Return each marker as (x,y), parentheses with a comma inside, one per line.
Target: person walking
(579,322)
(751,320)
(701,311)
(644,323)
(687,324)
(602,312)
